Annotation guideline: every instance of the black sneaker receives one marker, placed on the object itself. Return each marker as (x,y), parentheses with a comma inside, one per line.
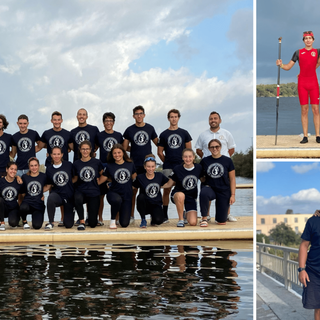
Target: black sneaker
(304,140)
(318,139)
(81,227)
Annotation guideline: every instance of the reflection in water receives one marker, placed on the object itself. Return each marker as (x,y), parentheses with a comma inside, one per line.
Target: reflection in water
(118,282)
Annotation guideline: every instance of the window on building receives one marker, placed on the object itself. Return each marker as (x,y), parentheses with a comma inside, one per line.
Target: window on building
(285,220)
(305,219)
(296,229)
(274,220)
(263,221)
(258,231)
(296,220)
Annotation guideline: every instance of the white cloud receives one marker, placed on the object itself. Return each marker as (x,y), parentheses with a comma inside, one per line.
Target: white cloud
(304,201)
(303,168)
(264,166)
(80,57)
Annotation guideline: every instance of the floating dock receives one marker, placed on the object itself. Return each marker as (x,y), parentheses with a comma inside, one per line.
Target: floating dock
(288,147)
(242,229)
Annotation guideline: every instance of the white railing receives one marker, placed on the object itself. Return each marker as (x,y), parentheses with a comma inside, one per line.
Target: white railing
(277,260)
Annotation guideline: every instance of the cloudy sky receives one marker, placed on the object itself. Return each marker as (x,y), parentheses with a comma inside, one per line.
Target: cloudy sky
(287,185)
(281,18)
(109,55)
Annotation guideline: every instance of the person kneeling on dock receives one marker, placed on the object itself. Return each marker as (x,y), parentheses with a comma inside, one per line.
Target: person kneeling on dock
(149,200)
(9,190)
(120,171)
(185,178)
(219,184)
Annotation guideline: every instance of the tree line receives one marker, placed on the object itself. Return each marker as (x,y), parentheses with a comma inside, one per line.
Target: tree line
(270,90)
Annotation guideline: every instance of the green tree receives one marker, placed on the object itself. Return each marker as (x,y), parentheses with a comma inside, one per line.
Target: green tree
(283,234)
(243,163)
(260,236)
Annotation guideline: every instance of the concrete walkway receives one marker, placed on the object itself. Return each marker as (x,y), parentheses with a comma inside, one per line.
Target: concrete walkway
(287,147)
(275,302)
(242,229)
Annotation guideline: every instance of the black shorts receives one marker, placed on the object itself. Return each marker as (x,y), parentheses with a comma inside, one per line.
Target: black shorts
(311,293)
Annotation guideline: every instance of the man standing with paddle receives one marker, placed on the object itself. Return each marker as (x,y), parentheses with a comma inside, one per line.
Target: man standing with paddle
(307,82)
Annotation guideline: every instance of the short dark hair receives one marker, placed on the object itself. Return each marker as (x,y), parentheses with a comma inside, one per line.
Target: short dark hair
(23,116)
(308,32)
(56,113)
(4,121)
(108,115)
(135,109)
(214,112)
(174,111)
(88,143)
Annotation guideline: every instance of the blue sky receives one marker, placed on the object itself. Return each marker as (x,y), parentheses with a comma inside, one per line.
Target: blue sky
(195,56)
(287,185)
(286,19)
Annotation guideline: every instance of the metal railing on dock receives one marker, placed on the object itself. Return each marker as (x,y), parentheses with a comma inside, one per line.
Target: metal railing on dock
(278,260)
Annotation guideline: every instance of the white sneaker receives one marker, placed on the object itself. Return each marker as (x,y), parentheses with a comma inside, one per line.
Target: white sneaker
(26,226)
(231,218)
(2,227)
(49,226)
(131,220)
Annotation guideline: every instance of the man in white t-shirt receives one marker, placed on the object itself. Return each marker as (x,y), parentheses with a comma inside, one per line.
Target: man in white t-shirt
(225,137)
(215,132)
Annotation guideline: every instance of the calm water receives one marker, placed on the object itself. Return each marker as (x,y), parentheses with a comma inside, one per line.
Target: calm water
(108,281)
(289,116)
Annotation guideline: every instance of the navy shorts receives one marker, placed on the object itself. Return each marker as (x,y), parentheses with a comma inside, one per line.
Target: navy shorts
(311,293)
(190,203)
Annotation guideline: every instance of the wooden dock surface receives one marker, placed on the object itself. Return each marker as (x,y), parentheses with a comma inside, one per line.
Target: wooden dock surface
(287,147)
(242,229)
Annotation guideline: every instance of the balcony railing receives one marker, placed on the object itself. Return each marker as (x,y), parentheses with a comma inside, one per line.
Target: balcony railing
(277,260)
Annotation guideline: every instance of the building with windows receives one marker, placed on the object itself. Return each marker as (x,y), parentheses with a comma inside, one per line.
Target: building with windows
(266,222)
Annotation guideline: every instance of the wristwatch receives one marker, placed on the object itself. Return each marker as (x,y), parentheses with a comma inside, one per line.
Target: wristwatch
(300,269)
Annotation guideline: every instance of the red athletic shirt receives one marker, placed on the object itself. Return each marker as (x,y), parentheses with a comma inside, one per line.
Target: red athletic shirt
(307,61)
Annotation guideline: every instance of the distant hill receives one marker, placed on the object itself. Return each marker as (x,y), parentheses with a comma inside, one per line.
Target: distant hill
(270,90)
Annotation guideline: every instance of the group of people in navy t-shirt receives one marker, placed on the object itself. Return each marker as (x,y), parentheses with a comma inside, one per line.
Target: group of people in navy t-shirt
(115,175)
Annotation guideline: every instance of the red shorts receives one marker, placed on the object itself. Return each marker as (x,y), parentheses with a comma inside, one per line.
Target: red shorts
(308,87)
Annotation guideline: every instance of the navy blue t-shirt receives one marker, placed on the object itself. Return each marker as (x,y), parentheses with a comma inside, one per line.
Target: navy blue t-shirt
(106,141)
(5,144)
(9,192)
(59,139)
(173,142)
(61,179)
(217,171)
(186,180)
(33,189)
(25,144)
(140,140)
(121,175)
(311,233)
(80,134)
(87,173)
(151,187)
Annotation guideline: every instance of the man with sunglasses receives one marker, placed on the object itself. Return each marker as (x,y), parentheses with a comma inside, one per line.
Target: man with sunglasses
(139,136)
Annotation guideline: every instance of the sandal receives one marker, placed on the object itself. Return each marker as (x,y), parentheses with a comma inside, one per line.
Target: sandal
(113,226)
(100,224)
(203,223)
